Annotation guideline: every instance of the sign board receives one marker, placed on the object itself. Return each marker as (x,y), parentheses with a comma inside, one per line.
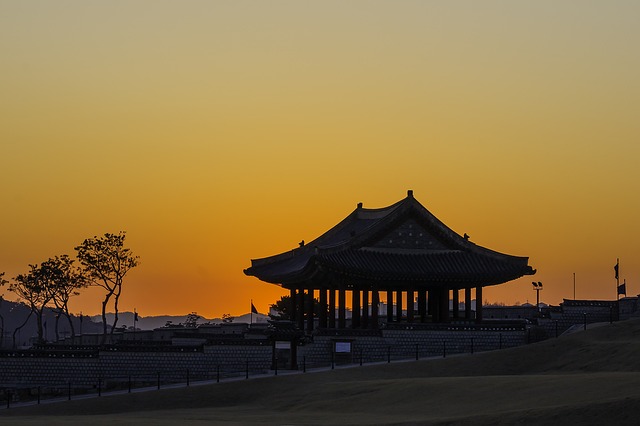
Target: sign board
(283,345)
(343,347)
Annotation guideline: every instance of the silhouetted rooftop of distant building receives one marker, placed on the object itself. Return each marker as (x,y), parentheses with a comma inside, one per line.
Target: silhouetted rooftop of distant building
(402,242)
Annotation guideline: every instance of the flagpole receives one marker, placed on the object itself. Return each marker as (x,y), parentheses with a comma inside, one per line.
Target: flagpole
(251,309)
(617,278)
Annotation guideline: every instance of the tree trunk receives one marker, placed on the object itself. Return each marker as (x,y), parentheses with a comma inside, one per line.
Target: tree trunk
(64,310)
(40,328)
(57,324)
(116,297)
(18,328)
(73,330)
(104,317)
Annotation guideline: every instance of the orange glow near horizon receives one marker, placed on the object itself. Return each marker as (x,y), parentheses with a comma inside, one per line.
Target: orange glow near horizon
(218,132)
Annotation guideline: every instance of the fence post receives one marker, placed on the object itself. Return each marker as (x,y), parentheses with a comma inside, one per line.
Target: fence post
(610,314)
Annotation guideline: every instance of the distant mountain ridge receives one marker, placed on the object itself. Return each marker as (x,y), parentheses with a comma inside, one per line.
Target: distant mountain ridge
(18,327)
(15,325)
(151,322)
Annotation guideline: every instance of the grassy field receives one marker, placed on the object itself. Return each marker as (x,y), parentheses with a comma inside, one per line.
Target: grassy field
(589,378)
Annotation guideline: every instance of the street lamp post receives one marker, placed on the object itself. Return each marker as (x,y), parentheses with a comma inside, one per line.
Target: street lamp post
(537,287)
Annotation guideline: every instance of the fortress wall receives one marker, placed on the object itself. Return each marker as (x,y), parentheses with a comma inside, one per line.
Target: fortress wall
(143,367)
(402,344)
(112,367)
(575,315)
(17,371)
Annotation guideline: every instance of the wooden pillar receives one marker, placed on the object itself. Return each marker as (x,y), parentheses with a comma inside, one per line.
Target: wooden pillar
(292,307)
(456,303)
(342,306)
(332,307)
(375,305)
(310,313)
(434,304)
(300,309)
(365,308)
(323,308)
(467,303)
(444,305)
(398,305)
(389,306)
(410,303)
(445,301)
(478,303)
(355,308)
(422,305)
(293,362)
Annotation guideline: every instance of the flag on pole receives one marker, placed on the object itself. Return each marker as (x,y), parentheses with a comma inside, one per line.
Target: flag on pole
(253,311)
(622,288)
(615,268)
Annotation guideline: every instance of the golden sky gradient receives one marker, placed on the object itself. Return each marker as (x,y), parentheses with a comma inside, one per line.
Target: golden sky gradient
(214,132)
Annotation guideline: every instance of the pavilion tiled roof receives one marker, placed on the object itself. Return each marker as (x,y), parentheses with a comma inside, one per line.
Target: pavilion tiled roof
(403,242)
(452,266)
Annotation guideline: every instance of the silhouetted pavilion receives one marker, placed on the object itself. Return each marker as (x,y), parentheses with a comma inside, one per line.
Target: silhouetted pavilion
(401,249)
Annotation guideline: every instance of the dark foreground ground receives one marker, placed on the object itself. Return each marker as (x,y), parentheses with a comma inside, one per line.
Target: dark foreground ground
(588,378)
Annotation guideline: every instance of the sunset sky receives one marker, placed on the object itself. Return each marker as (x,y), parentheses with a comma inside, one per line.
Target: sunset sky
(215,132)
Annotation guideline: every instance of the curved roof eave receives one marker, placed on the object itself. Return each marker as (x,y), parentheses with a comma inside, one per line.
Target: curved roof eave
(361,227)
